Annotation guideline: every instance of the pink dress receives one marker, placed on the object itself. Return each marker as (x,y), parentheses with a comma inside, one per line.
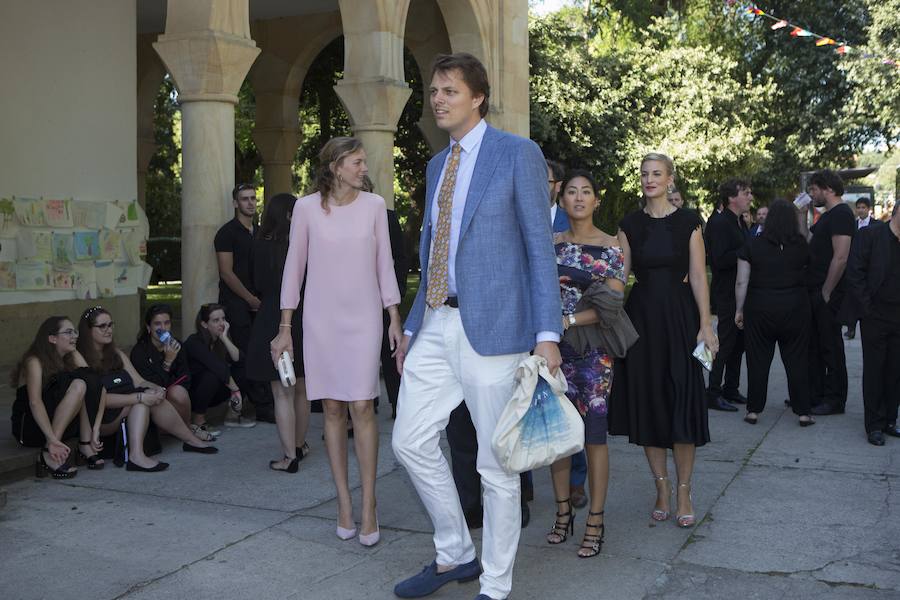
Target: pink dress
(346,257)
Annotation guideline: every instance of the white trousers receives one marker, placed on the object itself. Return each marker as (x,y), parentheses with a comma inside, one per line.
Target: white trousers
(440,371)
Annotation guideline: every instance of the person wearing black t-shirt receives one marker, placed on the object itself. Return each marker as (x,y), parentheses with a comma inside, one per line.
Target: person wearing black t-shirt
(773,306)
(726,235)
(234,245)
(873,297)
(829,245)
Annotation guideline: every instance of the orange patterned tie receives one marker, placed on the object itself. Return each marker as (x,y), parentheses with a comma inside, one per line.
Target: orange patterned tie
(438,283)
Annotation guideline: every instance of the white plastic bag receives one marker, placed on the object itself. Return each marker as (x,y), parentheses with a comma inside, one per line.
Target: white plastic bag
(539,424)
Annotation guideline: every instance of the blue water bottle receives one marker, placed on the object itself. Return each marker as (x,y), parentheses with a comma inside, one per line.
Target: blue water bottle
(164,336)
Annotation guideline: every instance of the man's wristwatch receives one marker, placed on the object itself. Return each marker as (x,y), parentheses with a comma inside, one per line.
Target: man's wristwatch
(571,320)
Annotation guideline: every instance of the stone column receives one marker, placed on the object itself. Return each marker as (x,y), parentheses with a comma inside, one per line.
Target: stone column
(207,50)
(373,90)
(150,73)
(277,137)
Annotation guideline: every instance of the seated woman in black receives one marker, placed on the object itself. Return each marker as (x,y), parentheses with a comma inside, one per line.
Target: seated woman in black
(212,357)
(51,393)
(130,396)
(165,364)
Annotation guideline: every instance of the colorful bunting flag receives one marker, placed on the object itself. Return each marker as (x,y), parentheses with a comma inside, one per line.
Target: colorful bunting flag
(798,32)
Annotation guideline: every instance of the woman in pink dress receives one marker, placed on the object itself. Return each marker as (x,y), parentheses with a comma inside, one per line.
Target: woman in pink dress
(339,241)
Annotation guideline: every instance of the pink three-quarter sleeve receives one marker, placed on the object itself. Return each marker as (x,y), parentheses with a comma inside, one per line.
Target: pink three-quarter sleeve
(384,260)
(295,263)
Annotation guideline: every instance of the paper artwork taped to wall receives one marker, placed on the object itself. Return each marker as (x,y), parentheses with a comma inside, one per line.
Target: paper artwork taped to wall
(62,280)
(29,212)
(85,281)
(7,276)
(34,245)
(8,250)
(58,213)
(113,216)
(32,276)
(7,215)
(87,245)
(106,278)
(88,215)
(110,244)
(63,250)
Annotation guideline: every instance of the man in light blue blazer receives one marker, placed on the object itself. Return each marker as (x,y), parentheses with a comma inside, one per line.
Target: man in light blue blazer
(489,294)
(555,175)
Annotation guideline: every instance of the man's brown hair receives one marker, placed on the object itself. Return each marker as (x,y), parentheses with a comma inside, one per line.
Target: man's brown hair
(472,71)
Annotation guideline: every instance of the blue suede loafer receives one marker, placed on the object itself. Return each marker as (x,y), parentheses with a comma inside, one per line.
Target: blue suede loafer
(429,580)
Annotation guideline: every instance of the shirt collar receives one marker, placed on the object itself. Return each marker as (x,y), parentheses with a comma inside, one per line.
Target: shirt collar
(472,139)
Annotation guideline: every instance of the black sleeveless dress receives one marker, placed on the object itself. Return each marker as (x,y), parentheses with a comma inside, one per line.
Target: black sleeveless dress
(658,399)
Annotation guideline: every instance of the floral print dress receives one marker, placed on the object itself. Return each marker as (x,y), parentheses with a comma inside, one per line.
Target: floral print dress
(589,375)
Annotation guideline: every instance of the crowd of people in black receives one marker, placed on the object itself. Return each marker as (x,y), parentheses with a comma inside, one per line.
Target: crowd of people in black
(774,281)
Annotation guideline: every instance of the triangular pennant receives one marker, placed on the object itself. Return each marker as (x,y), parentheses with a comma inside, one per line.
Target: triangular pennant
(825,42)
(842,49)
(780,24)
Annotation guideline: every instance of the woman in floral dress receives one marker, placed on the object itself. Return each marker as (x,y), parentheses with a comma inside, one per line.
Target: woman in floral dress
(591,270)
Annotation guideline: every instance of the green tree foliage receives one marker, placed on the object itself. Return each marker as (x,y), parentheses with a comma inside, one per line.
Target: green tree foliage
(603,105)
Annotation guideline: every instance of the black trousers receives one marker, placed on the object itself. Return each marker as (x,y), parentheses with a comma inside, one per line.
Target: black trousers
(463,461)
(827,362)
(731,350)
(881,370)
(389,365)
(208,390)
(782,317)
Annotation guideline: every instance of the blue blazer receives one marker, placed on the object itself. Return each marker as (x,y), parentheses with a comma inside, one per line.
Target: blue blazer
(506,278)
(561,221)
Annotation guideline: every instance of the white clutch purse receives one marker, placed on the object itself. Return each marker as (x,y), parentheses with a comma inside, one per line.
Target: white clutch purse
(286,370)
(704,355)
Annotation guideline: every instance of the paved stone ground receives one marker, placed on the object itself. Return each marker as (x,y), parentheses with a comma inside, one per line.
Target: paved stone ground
(786,513)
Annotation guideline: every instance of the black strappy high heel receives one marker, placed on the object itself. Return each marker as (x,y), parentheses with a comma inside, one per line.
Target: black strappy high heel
(592,543)
(562,530)
(93,462)
(42,469)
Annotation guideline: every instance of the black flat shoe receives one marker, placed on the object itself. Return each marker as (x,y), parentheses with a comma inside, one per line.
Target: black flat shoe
(160,466)
(292,466)
(199,449)
(302,451)
(826,409)
(752,420)
(737,398)
(809,421)
(720,403)
(876,438)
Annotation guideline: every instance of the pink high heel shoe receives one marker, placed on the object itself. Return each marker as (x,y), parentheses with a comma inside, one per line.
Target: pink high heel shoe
(370,539)
(346,534)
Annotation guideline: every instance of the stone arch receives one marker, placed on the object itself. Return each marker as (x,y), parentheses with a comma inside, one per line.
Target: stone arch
(428,38)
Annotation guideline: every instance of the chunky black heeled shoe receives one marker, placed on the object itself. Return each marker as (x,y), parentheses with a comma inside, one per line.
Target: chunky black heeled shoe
(562,530)
(292,466)
(93,462)
(42,469)
(592,543)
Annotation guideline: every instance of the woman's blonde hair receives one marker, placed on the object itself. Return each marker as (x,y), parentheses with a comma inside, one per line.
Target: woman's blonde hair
(660,157)
(333,152)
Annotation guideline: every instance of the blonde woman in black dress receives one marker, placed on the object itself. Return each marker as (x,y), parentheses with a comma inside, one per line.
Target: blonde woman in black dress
(659,397)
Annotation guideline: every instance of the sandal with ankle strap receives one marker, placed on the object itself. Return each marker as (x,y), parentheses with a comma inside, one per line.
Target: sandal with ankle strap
(662,515)
(562,530)
(688,520)
(94,462)
(592,543)
(42,469)
(292,466)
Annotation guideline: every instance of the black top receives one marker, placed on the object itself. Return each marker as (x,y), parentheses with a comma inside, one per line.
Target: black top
(726,235)
(674,255)
(233,237)
(837,221)
(147,360)
(773,267)
(200,359)
(398,251)
(889,292)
